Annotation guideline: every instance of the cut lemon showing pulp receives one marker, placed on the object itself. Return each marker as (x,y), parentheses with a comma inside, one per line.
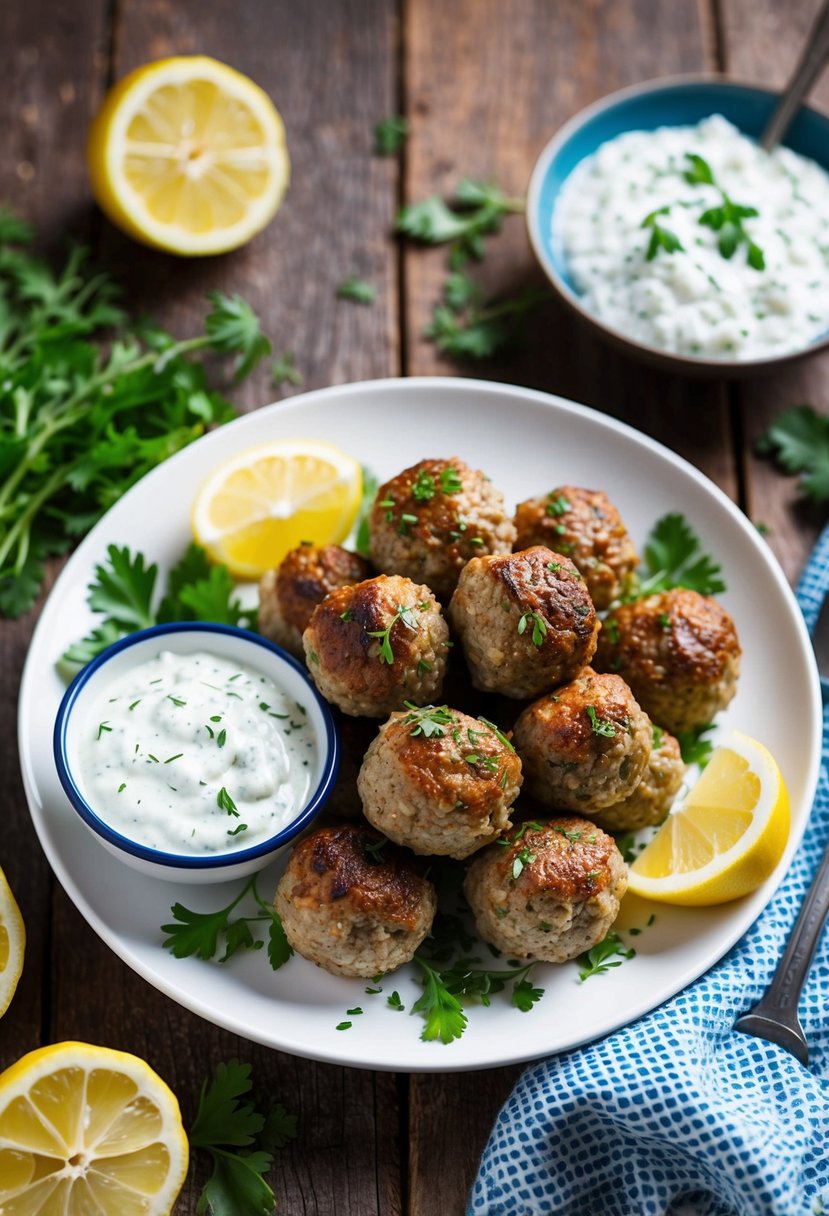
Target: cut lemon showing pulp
(12,944)
(87,1129)
(267,500)
(188,155)
(727,836)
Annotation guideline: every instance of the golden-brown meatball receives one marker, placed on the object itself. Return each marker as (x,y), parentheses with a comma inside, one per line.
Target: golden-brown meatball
(289,594)
(373,646)
(651,800)
(678,651)
(585,746)
(551,891)
(584,525)
(428,521)
(525,620)
(353,903)
(439,781)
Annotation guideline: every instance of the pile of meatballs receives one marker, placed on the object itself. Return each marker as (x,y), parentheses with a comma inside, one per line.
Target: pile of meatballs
(463,605)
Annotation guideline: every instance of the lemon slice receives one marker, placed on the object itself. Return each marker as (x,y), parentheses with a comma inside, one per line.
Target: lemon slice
(726,837)
(188,155)
(12,944)
(87,1129)
(269,499)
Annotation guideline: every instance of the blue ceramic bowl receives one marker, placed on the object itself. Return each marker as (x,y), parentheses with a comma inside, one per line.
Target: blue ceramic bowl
(674,101)
(226,642)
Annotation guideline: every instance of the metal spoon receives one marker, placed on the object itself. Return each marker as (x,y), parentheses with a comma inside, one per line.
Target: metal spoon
(774,1017)
(815,54)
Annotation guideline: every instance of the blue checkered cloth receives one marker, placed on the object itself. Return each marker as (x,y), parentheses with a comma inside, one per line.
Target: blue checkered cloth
(679,1112)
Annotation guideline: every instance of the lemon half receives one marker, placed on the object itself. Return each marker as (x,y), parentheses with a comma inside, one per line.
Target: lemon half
(265,501)
(188,155)
(87,1129)
(12,944)
(728,835)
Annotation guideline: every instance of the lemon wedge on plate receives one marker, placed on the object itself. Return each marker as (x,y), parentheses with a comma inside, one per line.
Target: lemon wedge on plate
(88,1129)
(12,944)
(188,155)
(726,837)
(265,501)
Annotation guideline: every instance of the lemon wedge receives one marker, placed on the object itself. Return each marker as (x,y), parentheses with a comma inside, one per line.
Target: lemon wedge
(88,1129)
(726,837)
(267,500)
(12,944)
(188,155)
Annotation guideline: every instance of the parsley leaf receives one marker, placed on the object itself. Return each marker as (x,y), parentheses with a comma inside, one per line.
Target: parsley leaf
(198,933)
(233,328)
(284,370)
(661,237)
(357,290)
(673,559)
(389,135)
(482,331)
(694,747)
(479,210)
(610,952)
(524,996)
(798,438)
(445,1018)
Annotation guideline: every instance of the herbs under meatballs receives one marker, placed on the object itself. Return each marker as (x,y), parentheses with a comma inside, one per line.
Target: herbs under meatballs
(550,891)
(373,646)
(432,518)
(439,781)
(525,620)
(353,903)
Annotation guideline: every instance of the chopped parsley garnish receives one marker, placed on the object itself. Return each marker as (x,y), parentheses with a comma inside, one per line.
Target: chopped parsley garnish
(103,728)
(394,1002)
(401,613)
(499,734)
(389,135)
(225,803)
(600,726)
(284,371)
(423,487)
(539,626)
(657,735)
(558,506)
(694,747)
(428,720)
(524,857)
(727,218)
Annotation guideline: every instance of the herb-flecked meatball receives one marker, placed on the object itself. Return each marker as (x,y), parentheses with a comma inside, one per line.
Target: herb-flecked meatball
(428,521)
(525,620)
(678,651)
(439,781)
(551,892)
(289,594)
(353,903)
(651,800)
(584,525)
(586,745)
(377,644)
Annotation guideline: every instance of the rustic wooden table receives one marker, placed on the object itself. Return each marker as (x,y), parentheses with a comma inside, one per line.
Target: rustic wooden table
(484,84)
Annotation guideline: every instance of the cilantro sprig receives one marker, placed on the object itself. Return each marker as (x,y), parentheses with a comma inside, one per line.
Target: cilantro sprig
(199,934)
(123,591)
(82,420)
(240,1140)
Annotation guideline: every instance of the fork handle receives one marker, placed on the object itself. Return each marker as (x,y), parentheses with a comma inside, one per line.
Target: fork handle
(779,1001)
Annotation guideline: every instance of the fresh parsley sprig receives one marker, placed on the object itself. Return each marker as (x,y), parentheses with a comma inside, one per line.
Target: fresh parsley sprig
(123,592)
(673,558)
(727,218)
(478,211)
(401,613)
(430,721)
(240,1140)
(661,237)
(446,989)
(798,439)
(81,421)
(199,933)
(610,952)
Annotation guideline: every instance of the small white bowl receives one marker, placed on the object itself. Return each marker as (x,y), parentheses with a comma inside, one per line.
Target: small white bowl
(225,642)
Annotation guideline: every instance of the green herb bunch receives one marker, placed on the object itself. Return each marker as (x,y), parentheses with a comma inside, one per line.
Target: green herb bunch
(83,419)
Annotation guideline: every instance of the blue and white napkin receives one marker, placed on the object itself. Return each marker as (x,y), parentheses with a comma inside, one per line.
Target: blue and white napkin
(679,1112)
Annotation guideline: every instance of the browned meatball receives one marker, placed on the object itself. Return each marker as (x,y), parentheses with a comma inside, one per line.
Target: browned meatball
(439,781)
(526,621)
(551,893)
(289,594)
(651,800)
(679,653)
(374,646)
(585,746)
(353,903)
(428,521)
(584,525)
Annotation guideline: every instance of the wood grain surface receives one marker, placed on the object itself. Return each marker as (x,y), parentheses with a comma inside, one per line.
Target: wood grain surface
(484,83)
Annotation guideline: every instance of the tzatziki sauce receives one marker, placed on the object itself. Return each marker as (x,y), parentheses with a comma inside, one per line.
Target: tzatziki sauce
(696,241)
(195,754)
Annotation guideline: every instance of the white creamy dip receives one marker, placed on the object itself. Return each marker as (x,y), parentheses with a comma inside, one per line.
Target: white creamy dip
(695,301)
(195,754)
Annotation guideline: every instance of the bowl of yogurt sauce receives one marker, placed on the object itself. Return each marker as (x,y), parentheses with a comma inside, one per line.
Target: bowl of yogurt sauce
(195,752)
(662,223)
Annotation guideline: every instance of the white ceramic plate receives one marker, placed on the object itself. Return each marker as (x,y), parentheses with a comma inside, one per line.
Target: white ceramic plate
(527,442)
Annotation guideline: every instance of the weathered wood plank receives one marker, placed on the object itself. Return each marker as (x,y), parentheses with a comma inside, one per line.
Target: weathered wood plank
(488,82)
(52,73)
(761,42)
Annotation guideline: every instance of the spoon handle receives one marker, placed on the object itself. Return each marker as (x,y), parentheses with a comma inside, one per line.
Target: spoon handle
(778,1005)
(815,54)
